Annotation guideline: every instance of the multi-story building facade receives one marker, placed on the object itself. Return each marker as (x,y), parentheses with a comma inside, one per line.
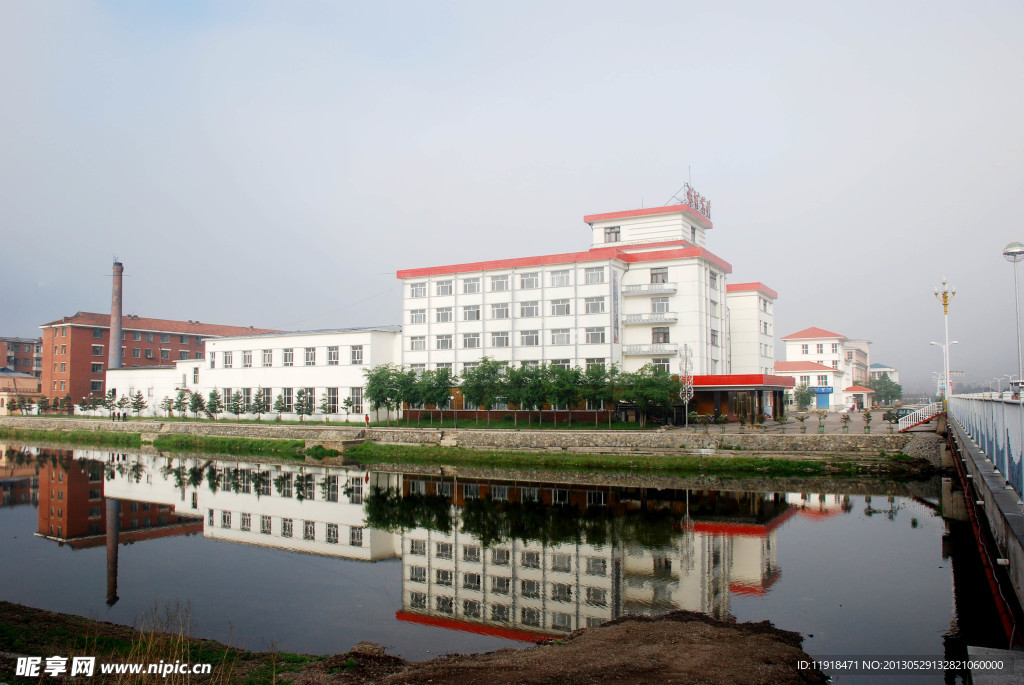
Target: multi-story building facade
(752,327)
(22,355)
(877,370)
(646,287)
(846,364)
(75,348)
(327,364)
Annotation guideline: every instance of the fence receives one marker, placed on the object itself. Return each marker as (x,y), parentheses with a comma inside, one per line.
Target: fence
(996,423)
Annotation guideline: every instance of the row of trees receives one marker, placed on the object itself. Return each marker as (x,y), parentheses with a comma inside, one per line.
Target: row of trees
(258,403)
(522,388)
(22,404)
(886,390)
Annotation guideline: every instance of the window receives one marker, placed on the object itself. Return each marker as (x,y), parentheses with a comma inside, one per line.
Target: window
(418,316)
(443,576)
(417,600)
(559,336)
(444,288)
(265,525)
(471,581)
(286,528)
(332,533)
(471,553)
(149,337)
(529,338)
(331,486)
(286,395)
(418,574)
(355,536)
(561,592)
(136,335)
(308,530)
(529,309)
(357,354)
(714,280)
(611,234)
(662,363)
(471,340)
(97,333)
(417,290)
(357,400)
(444,550)
(560,621)
(500,612)
(289,357)
(96,367)
(95,386)
(499,311)
(499,556)
(805,380)
(500,585)
(165,338)
(595,498)
(561,563)
(659,305)
(559,307)
(418,547)
(530,588)
(165,354)
(444,314)
(530,616)
(531,560)
(714,338)
(499,283)
(471,313)
(803,349)
(444,342)
(332,356)
(593,274)
(470,286)
(529,495)
(597,596)
(594,305)
(445,605)
(560,278)
(183,354)
(823,380)
(821,348)
(659,335)
(713,308)
(561,363)
(470,608)
(597,566)
(97,350)
(835,348)
(136,353)
(499,339)
(418,342)
(595,335)
(529,281)
(310,356)
(659,274)
(559,496)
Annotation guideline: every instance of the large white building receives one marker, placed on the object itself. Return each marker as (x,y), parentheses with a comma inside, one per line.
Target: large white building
(833,366)
(752,327)
(327,364)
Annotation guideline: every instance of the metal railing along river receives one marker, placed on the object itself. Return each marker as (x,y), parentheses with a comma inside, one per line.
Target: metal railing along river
(996,423)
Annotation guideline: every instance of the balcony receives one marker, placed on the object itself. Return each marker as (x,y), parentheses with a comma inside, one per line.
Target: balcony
(652,317)
(649,289)
(650,350)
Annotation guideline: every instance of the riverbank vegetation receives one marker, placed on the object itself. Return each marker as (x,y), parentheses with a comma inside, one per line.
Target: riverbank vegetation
(73,437)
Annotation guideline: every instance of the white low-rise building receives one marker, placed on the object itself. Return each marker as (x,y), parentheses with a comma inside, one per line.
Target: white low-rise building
(328,364)
(846,363)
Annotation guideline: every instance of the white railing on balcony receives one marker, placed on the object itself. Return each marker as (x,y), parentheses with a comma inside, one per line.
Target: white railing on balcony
(650,350)
(649,289)
(997,425)
(652,317)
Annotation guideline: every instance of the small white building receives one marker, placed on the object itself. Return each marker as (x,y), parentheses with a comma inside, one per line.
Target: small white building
(824,381)
(328,364)
(878,370)
(751,327)
(850,358)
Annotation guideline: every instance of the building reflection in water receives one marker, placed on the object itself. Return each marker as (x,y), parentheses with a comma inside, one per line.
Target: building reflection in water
(19,480)
(515,559)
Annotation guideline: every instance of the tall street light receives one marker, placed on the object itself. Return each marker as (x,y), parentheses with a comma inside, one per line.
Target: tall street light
(947,382)
(944,296)
(1014,252)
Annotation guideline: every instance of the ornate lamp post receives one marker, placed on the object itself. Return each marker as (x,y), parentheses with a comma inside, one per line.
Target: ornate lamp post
(1014,252)
(944,296)
(947,382)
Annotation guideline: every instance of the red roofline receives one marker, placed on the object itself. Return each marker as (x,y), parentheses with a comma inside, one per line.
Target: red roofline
(623,253)
(793,367)
(859,388)
(756,286)
(668,209)
(743,379)
(812,333)
(478,628)
(132,323)
(757,530)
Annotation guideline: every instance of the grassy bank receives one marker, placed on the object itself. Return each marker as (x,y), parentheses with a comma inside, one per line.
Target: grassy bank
(899,465)
(97,438)
(282,449)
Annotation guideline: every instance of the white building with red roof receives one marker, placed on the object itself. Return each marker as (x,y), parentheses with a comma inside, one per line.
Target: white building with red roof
(831,364)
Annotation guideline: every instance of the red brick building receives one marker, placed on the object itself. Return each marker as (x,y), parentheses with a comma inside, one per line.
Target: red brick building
(22,355)
(74,349)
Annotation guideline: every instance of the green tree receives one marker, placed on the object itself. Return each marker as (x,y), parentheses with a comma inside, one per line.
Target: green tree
(803,396)
(482,384)
(66,404)
(181,403)
(436,388)
(647,388)
(123,403)
(279,404)
(261,402)
(214,403)
(382,388)
(303,403)
(347,405)
(515,389)
(110,401)
(167,404)
(86,404)
(138,402)
(407,386)
(886,390)
(537,390)
(564,388)
(196,404)
(44,403)
(236,405)
(594,386)
(325,407)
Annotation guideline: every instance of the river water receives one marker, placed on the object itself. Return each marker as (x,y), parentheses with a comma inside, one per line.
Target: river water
(313,559)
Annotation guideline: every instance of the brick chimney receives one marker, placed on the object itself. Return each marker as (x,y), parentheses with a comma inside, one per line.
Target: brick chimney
(114,354)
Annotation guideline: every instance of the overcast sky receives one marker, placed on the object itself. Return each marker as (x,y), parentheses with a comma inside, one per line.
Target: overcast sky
(274,164)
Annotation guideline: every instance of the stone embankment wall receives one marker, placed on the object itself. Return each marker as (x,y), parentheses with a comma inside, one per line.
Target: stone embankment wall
(796,445)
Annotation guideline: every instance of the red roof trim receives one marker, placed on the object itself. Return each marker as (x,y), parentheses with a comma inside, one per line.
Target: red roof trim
(811,333)
(750,379)
(756,286)
(133,323)
(623,253)
(480,629)
(791,367)
(651,211)
(859,388)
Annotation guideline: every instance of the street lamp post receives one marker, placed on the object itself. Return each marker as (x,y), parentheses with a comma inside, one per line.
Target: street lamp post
(944,296)
(947,381)
(1014,252)
(455,414)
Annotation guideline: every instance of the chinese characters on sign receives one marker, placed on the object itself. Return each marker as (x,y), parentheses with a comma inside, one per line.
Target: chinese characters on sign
(697,202)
